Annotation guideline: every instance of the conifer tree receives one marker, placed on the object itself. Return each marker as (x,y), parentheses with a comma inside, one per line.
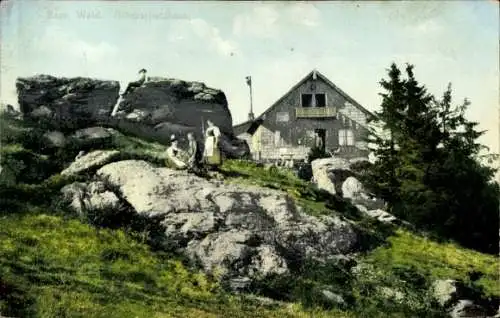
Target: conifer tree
(468,205)
(383,179)
(428,168)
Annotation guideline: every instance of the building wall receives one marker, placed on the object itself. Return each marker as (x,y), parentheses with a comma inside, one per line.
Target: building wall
(268,144)
(282,134)
(297,132)
(248,138)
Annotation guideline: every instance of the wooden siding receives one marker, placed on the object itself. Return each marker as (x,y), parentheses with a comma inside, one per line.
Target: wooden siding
(315,112)
(296,132)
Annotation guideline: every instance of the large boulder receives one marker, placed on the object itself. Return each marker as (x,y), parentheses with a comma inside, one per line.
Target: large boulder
(177,101)
(164,106)
(462,301)
(244,232)
(466,308)
(330,173)
(352,188)
(156,110)
(94,196)
(67,103)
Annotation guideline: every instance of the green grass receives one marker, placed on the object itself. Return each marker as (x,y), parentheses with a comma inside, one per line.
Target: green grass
(136,148)
(438,260)
(51,267)
(311,199)
(395,257)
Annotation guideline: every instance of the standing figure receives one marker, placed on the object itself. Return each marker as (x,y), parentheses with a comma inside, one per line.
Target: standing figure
(137,83)
(175,155)
(212,153)
(318,141)
(193,152)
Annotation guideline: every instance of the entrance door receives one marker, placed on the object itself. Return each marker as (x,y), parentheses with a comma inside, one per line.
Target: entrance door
(320,138)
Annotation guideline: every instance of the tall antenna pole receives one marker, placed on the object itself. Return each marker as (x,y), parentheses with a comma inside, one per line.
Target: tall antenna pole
(249,83)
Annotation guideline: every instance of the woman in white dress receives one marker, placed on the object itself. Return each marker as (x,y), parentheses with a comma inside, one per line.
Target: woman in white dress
(212,153)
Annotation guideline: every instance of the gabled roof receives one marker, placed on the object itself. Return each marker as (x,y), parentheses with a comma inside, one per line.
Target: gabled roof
(249,126)
(245,126)
(315,73)
(344,94)
(242,128)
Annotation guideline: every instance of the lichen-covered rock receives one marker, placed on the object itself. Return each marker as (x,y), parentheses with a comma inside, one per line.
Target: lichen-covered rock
(330,173)
(69,103)
(90,161)
(352,188)
(164,106)
(466,308)
(159,108)
(91,133)
(138,115)
(243,231)
(444,290)
(378,214)
(54,139)
(82,197)
(42,112)
(179,103)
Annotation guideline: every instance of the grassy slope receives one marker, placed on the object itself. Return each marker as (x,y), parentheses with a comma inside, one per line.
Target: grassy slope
(404,249)
(438,260)
(68,269)
(53,267)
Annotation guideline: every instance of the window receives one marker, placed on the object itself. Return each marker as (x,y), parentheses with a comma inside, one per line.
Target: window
(307,100)
(277,138)
(346,137)
(313,100)
(282,117)
(320,100)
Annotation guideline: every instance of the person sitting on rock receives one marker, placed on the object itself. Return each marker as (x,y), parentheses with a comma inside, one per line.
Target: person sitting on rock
(133,85)
(175,155)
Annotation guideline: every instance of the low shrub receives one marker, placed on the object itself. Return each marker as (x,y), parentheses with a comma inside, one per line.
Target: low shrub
(317,153)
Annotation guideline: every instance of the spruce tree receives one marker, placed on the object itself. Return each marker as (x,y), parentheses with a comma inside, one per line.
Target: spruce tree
(428,168)
(383,176)
(468,209)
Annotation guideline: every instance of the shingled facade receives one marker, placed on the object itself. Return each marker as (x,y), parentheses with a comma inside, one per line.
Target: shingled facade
(315,112)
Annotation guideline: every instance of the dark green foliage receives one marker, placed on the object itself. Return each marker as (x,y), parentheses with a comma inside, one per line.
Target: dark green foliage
(15,299)
(317,153)
(428,168)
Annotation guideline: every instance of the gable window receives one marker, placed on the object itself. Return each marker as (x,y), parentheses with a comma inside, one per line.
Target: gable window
(320,100)
(346,137)
(313,100)
(307,100)
(282,117)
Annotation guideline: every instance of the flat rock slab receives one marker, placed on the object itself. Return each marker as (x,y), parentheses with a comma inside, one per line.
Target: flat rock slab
(92,160)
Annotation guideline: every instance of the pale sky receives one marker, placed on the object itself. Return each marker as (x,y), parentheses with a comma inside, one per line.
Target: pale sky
(277,43)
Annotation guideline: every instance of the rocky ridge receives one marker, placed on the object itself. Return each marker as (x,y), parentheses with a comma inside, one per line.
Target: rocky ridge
(159,108)
(245,233)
